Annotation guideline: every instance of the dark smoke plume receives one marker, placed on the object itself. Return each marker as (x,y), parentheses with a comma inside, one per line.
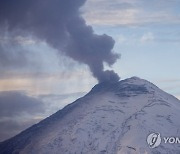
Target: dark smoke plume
(59,23)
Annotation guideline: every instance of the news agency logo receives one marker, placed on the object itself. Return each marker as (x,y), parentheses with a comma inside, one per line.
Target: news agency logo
(155,139)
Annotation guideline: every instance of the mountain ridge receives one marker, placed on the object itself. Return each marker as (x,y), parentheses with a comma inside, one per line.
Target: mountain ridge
(109,113)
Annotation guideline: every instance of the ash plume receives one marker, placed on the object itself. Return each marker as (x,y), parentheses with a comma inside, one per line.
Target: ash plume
(59,23)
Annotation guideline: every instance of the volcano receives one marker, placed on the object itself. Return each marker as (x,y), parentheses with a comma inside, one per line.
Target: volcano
(113,118)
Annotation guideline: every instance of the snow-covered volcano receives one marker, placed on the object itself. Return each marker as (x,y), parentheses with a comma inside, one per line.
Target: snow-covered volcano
(113,118)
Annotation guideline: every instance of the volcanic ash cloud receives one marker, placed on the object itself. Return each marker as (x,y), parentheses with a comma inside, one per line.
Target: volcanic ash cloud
(59,23)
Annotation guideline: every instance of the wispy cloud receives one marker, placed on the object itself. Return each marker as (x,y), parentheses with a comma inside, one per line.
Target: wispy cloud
(147,37)
(130,13)
(25,40)
(19,111)
(56,83)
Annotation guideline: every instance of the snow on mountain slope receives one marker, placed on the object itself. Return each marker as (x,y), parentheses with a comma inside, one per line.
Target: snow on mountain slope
(113,118)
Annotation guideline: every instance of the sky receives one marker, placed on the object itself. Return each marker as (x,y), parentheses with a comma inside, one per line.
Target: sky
(52,54)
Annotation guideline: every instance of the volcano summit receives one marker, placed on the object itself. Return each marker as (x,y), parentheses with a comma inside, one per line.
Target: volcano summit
(113,118)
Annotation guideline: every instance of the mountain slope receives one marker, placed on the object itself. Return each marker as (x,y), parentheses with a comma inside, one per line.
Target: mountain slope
(113,118)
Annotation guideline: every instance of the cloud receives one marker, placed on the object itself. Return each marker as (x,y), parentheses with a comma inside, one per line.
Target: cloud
(60,25)
(17,112)
(25,40)
(16,53)
(91,5)
(11,56)
(112,17)
(147,37)
(58,101)
(121,39)
(56,83)
(14,103)
(131,13)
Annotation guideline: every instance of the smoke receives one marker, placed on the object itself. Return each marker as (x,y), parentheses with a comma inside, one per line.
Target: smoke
(59,23)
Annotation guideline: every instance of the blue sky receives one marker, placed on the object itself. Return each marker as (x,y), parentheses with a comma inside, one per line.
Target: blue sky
(147,35)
